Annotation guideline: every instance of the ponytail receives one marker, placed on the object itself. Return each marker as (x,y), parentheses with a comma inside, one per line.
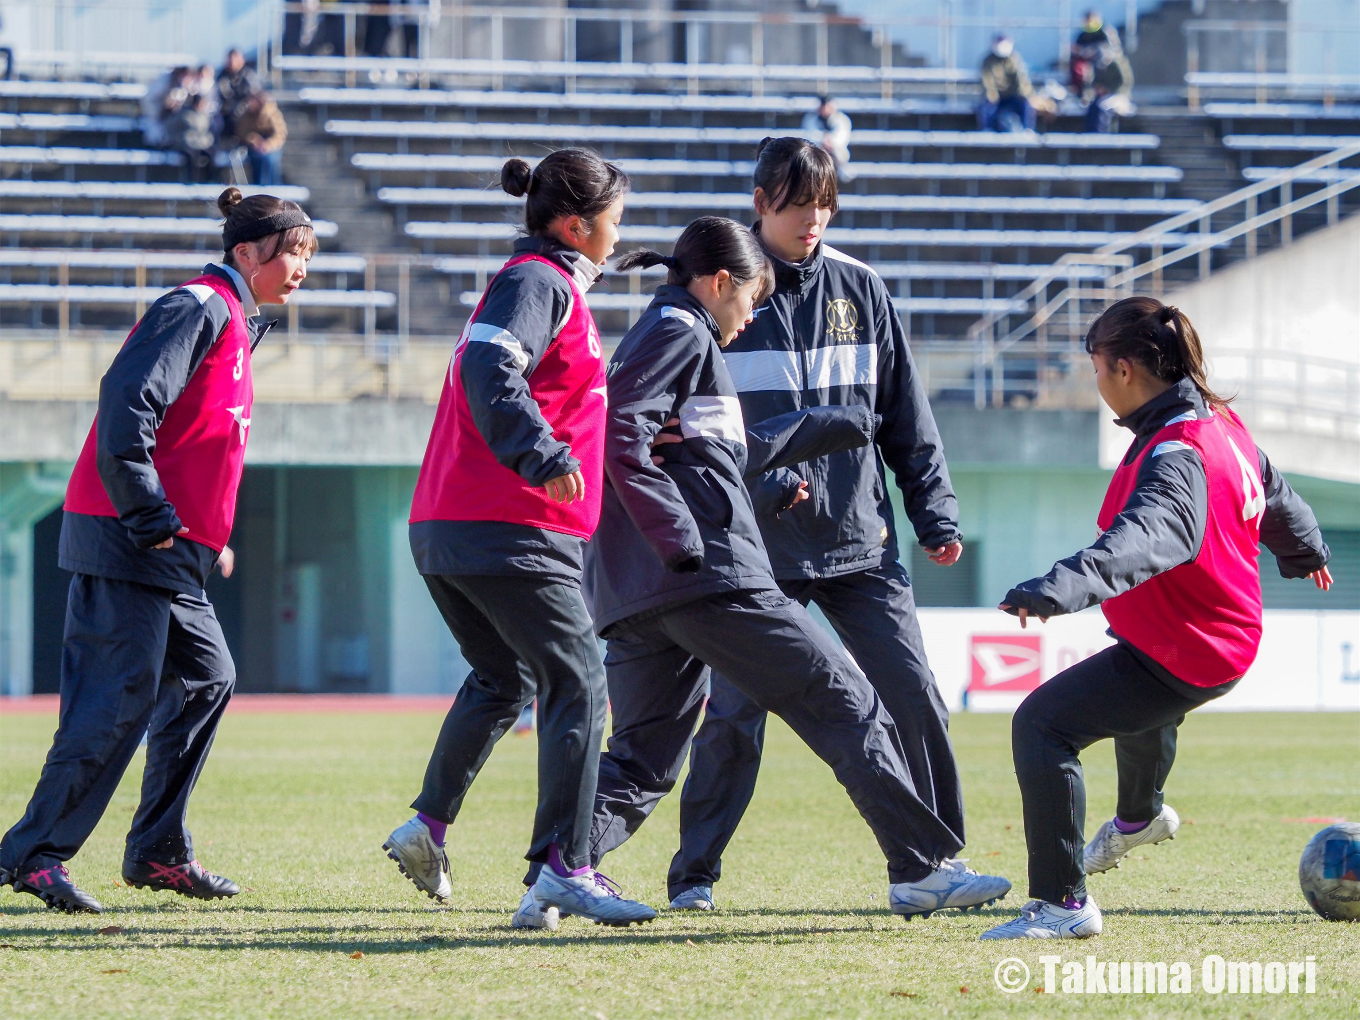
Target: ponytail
(710,244)
(1159,337)
(568,182)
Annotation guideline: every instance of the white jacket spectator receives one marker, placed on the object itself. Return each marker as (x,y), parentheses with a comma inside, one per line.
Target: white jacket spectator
(832,128)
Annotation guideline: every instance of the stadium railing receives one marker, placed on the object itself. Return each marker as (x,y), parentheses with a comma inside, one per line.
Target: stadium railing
(159,226)
(879,236)
(433,162)
(138,191)
(1283,111)
(740,201)
(464,99)
(676,135)
(1053,330)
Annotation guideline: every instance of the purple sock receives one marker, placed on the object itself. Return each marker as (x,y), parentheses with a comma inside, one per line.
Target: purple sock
(436,827)
(1128,827)
(1072,903)
(555,862)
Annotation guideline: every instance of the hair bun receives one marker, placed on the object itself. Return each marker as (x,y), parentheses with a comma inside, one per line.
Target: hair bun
(516,177)
(228,200)
(763,142)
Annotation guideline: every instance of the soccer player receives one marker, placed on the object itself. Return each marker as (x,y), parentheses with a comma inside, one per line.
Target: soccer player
(507,496)
(829,336)
(1175,571)
(680,579)
(149,509)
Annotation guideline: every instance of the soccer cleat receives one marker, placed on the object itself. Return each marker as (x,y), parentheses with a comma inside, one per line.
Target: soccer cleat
(1110,845)
(700,897)
(54,887)
(1040,919)
(420,859)
(591,896)
(192,879)
(951,885)
(532,914)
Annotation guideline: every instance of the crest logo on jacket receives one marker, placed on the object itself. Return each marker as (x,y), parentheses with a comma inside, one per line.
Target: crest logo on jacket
(842,321)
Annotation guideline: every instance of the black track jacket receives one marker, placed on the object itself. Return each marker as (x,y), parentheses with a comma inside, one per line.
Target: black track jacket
(829,336)
(685,529)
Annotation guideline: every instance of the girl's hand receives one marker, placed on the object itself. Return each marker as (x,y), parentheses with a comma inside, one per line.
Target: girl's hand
(947,555)
(226,561)
(1322,578)
(800,496)
(663,438)
(184,531)
(1023,613)
(566,488)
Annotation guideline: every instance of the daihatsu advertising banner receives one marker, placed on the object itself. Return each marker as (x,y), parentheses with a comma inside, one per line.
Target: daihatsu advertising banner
(985,662)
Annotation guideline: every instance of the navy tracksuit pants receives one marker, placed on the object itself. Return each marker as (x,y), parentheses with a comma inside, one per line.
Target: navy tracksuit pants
(524,637)
(781,659)
(136,660)
(1115,694)
(874,612)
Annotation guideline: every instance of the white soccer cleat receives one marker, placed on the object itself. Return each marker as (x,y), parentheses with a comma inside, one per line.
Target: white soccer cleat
(420,859)
(951,885)
(1110,845)
(532,914)
(1042,920)
(700,897)
(591,896)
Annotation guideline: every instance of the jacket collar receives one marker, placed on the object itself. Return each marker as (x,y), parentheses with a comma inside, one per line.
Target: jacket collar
(582,270)
(1152,417)
(680,297)
(229,274)
(792,275)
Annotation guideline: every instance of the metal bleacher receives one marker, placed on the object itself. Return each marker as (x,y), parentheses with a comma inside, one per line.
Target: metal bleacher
(1270,136)
(924,189)
(94,227)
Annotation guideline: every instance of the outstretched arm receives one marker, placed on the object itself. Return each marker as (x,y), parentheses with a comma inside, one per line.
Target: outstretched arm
(1161,526)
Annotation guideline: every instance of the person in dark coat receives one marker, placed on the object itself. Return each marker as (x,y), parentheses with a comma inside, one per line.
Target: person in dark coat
(829,336)
(1176,572)
(148,513)
(680,581)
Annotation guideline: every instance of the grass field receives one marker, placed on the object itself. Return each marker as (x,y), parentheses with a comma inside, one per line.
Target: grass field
(295,808)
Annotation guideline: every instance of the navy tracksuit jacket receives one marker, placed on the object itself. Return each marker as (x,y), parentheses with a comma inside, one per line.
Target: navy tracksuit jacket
(829,336)
(142,652)
(680,582)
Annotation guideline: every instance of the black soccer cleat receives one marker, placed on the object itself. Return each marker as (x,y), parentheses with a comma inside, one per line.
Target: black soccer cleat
(190,879)
(54,887)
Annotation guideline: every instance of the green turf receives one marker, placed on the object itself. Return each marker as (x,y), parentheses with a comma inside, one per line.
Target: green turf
(295,808)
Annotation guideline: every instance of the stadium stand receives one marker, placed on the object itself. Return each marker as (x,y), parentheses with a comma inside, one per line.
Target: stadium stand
(924,187)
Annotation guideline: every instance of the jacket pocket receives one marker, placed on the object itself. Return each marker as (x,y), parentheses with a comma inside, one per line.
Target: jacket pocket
(709,500)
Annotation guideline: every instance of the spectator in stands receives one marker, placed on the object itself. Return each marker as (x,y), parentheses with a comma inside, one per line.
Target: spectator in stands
(1094,35)
(832,128)
(189,131)
(8,52)
(1111,84)
(1006,90)
(378,41)
(162,99)
(236,83)
(262,130)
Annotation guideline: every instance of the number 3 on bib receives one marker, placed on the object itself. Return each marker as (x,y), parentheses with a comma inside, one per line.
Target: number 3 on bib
(1253,499)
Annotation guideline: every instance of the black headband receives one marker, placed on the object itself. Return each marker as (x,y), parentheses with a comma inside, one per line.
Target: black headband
(252,230)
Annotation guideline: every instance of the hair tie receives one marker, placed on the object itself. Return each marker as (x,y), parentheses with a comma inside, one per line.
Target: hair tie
(669,261)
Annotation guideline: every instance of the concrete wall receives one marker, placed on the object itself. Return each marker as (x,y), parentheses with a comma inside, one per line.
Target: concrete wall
(1296,311)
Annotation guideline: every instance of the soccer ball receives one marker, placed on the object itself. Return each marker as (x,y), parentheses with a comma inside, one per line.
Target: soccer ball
(1329,872)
